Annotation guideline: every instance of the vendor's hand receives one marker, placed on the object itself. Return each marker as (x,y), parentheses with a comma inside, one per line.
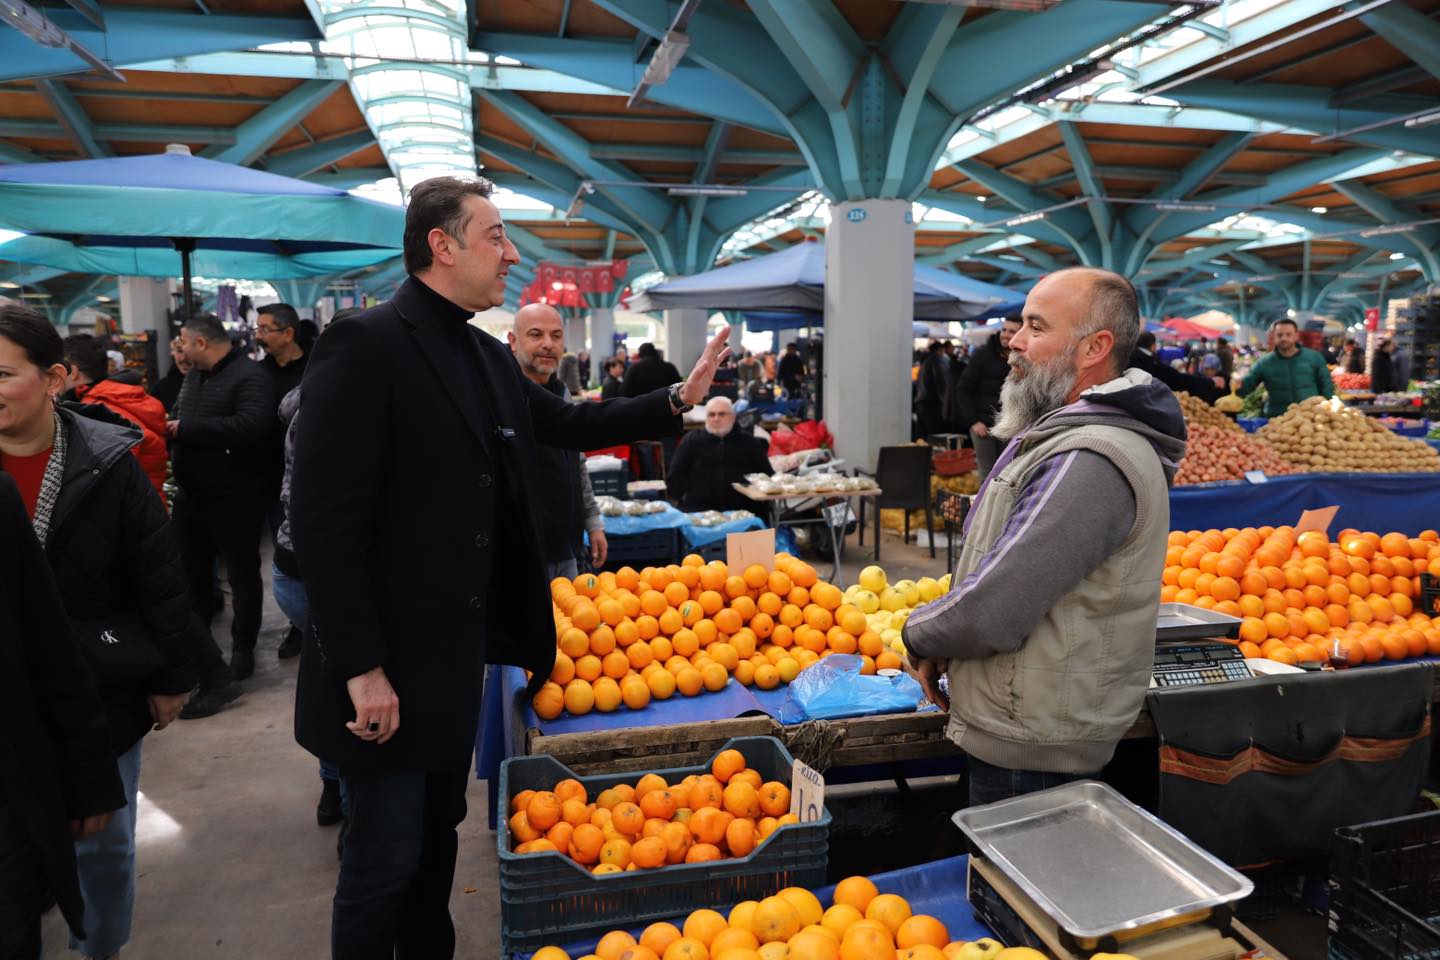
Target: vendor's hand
(164,708)
(928,672)
(80,829)
(172,427)
(697,387)
(375,702)
(599,548)
(979,429)
(1219,382)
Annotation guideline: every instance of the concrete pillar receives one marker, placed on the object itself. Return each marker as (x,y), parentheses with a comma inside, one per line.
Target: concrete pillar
(144,304)
(602,336)
(869,308)
(685,337)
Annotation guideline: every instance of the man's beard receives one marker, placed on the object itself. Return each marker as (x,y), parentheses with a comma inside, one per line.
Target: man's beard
(1042,388)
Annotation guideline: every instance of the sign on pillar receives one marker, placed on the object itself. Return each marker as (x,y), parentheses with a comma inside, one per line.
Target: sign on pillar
(869,312)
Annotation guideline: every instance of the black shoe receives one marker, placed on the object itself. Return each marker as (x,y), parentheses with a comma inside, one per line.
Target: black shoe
(328,811)
(290,646)
(242,664)
(208,701)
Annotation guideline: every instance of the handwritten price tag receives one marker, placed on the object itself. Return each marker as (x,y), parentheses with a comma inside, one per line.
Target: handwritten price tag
(807,793)
(1256,476)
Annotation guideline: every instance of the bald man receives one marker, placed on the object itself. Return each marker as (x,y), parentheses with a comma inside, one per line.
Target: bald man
(537,338)
(1077,509)
(708,461)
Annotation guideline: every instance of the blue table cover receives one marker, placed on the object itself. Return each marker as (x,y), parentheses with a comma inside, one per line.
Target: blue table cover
(936,889)
(697,537)
(668,519)
(1408,502)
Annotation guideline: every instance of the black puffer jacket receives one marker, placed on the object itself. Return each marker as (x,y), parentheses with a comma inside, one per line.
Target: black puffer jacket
(56,762)
(225,420)
(976,393)
(112,550)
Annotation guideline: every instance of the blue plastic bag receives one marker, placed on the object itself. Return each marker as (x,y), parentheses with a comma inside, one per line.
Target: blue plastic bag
(834,688)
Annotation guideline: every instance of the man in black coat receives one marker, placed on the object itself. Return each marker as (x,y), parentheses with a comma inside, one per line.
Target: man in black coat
(223,420)
(708,461)
(977,393)
(1208,389)
(412,510)
(60,779)
(649,373)
(537,338)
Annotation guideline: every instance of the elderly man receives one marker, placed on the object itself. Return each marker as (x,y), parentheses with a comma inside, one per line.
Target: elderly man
(1043,686)
(413,510)
(708,461)
(537,338)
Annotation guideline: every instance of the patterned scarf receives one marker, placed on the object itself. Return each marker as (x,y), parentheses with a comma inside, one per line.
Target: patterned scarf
(50,482)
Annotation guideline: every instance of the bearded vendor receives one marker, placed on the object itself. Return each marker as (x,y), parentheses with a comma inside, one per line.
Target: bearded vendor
(709,461)
(1047,634)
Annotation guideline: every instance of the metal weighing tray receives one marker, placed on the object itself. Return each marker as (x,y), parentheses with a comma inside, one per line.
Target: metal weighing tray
(1181,621)
(1096,863)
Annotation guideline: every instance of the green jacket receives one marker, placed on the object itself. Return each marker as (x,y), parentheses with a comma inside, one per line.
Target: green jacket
(1289,380)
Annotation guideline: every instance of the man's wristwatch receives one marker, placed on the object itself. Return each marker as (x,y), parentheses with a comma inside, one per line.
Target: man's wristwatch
(677,403)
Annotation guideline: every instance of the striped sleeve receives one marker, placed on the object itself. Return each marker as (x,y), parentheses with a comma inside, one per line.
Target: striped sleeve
(1075,510)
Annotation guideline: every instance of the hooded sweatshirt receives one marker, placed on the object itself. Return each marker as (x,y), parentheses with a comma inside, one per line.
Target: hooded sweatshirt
(1049,625)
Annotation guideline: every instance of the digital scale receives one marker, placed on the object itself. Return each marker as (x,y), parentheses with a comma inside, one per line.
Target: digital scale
(1190,664)
(1077,870)
(1187,653)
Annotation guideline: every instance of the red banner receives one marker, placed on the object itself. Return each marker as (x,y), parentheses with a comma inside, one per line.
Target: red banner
(1372,318)
(565,285)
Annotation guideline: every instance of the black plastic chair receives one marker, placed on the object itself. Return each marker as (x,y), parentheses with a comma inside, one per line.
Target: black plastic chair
(903,475)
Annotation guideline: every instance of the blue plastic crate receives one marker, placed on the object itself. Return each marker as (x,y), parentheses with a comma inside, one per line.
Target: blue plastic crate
(643,549)
(548,898)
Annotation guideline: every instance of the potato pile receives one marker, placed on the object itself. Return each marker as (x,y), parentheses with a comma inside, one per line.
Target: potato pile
(1323,435)
(1198,413)
(1220,453)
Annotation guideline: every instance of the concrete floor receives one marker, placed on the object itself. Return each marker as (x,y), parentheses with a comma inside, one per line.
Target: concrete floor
(230,861)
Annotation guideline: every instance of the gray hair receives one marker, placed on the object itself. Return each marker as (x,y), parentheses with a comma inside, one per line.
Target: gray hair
(1114,306)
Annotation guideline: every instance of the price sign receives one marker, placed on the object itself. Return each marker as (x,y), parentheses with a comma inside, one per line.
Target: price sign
(1317,520)
(1256,476)
(807,793)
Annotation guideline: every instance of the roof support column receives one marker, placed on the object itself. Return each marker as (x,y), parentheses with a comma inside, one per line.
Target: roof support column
(869,308)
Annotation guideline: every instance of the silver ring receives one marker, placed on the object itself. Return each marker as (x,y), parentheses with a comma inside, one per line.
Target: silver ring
(373,726)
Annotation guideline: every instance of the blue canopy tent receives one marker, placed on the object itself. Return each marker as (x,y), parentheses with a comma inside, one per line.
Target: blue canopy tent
(129,215)
(794,280)
(770,322)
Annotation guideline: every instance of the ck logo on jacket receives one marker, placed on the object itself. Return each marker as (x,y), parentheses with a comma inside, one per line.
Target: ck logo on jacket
(108,637)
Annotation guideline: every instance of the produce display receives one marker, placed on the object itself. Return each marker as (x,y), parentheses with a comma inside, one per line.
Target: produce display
(1303,597)
(1351,381)
(859,924)
(723,814)
(1220,453)
(887,607)
(788,484)
(1218,449)
(627,637)
(1320,435)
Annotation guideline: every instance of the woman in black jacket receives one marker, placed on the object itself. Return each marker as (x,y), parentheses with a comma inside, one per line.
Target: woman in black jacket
(60,780)
(117,567)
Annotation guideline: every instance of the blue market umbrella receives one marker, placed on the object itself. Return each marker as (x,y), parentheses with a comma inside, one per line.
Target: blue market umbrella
(794,280)
(130,215)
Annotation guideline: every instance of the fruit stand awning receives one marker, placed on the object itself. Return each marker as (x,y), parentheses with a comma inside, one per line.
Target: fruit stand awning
(794,279)
(1186,330)
(257,225)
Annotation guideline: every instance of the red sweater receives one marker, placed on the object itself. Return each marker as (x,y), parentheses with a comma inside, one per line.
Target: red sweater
(27,472)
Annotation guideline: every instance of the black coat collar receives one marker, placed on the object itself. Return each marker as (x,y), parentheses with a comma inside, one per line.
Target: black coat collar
(417,307)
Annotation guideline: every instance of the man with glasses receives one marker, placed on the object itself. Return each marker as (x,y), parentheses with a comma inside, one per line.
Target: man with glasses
(277,331)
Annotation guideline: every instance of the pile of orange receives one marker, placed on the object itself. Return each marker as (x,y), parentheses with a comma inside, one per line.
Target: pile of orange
(627,637)
(861,924)
(725,813)
(1302,596)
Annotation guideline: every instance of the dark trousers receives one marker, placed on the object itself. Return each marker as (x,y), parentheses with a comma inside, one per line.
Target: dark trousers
(229,527)
(392,899)
(990,783)
(22,886)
